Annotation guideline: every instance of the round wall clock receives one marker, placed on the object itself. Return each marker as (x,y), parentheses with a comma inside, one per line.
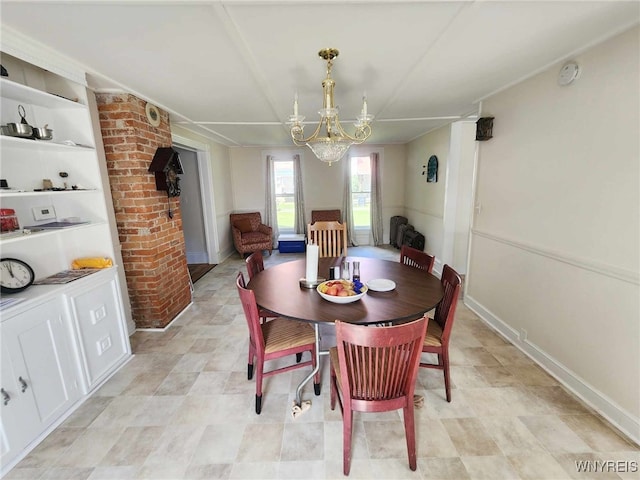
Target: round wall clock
(153,114)
(15,275)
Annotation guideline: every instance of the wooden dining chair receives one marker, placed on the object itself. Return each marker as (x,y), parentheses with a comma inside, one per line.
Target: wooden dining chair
(374,369)
(274,339)
(255,265)
(416,258)
(439,331)
(331,238)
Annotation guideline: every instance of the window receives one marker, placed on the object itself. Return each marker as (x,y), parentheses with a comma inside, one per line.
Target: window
(285,194)
(361,191)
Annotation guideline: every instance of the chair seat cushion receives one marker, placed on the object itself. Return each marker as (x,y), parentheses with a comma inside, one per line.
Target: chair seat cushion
(282,334)
(254,237)
(433,338)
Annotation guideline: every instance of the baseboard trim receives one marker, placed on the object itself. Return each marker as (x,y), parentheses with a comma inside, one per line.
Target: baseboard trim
(622,420)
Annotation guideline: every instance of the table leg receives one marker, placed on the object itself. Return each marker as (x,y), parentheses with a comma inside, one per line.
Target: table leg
(315,370)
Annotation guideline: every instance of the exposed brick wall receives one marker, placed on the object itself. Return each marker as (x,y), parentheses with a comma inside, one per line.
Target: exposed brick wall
(153,248)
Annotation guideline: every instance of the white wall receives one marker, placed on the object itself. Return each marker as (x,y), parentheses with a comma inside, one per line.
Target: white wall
(555,247)
(424,202)
(323,184)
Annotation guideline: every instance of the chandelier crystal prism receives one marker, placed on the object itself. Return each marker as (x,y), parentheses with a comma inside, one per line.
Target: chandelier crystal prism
(329,142)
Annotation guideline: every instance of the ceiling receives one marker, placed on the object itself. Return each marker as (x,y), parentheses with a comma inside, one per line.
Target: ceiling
(229,69)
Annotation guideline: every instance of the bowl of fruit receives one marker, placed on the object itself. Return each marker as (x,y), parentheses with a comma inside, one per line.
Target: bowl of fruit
(342,291)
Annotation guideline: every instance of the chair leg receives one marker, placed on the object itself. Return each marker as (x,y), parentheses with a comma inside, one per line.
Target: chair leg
(259,370)
(410,433)
(332,386)
(447,377)
(347,427)
(250,361)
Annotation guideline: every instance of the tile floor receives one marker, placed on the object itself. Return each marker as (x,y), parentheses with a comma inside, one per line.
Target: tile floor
(182,408)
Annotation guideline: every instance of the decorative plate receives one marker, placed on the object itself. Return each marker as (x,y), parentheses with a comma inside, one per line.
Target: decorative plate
(153,114)
(381,285)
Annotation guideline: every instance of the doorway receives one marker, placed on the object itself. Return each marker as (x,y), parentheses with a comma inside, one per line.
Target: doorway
(191,208)
(197,208)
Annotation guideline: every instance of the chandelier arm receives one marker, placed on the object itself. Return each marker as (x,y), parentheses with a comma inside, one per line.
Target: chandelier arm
(357,137)
(303,141)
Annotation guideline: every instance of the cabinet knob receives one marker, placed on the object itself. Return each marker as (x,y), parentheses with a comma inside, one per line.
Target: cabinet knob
(5,396)
(23,383)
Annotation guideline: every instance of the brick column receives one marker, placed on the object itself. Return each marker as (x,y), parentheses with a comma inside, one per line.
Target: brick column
(153,248)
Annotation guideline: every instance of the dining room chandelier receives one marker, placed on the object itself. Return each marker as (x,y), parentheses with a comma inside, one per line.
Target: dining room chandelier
(329,142)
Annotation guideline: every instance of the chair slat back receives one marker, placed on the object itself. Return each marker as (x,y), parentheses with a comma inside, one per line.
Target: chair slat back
(255,263)
(416,258)
(446,309)
(331,238)
(250,307)
(379,363)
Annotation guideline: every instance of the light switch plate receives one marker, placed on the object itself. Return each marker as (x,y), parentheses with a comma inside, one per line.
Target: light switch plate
(44,213)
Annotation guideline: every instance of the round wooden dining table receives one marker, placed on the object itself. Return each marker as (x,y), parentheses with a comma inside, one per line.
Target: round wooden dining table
(278,290)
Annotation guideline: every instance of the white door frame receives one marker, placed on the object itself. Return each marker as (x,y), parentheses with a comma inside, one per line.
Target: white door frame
(206,188)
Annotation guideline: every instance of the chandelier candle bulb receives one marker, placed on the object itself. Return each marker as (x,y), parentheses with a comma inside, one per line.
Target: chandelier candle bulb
(295,105)
(364,106)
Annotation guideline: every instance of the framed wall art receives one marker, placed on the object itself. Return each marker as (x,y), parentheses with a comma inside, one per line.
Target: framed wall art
(431,169)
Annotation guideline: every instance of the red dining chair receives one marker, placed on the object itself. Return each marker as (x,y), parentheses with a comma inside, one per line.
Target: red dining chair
(439,330)
(255,264)
(274,339)
(416,258)
(374,370)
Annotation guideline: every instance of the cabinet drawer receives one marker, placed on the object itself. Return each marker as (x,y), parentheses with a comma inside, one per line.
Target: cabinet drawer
(98,317)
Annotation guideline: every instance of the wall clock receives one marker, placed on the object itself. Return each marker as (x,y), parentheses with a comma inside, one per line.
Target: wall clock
(173,182)
(153,114)
(15,275)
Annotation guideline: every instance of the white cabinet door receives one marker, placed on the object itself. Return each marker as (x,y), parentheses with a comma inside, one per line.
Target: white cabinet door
(36,345)
(101,328)
(17,420)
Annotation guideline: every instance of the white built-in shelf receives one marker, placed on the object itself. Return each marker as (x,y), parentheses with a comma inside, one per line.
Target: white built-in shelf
(22,93)
(21,236)
(10,141)
(17,193)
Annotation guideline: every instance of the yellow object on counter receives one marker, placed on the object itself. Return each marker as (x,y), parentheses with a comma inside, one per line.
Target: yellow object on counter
(91,262)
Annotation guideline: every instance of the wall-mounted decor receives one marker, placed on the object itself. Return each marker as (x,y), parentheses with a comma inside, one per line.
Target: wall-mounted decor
(153,115)
(166,165)
(484,128)
(431,169)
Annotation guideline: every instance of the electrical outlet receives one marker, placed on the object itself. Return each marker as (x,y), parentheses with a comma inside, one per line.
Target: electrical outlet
(44,213)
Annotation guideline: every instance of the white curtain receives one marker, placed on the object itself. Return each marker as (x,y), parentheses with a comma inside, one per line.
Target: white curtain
(376,200)
(270,212)
(299,224)
(347,205)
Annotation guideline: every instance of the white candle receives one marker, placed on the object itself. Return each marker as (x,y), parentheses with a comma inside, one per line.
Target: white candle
(312,263)
(364,106)
(295,105)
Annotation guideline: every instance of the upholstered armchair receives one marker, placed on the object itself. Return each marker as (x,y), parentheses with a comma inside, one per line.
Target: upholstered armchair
(249,233)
